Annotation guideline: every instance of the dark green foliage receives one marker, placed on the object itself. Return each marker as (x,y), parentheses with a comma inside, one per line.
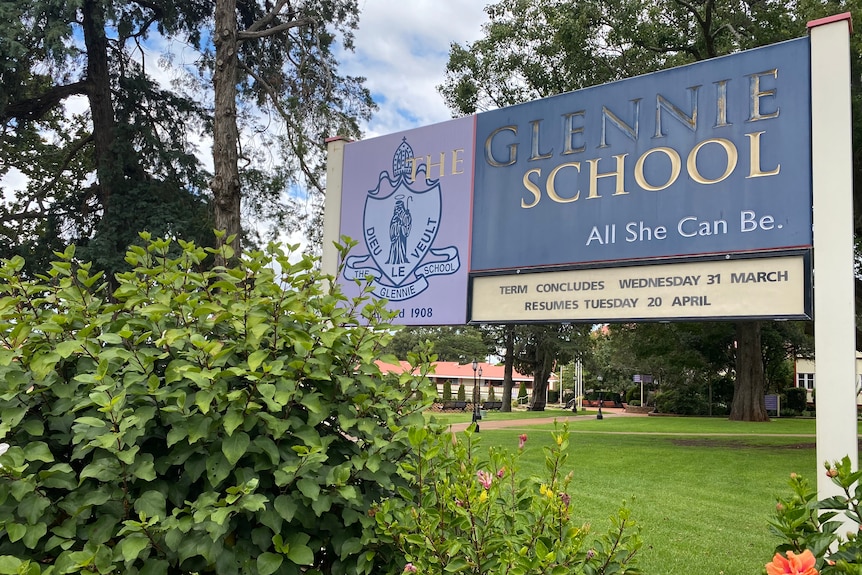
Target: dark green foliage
(682,400)
(492,395)
(450,343)
(795,399)
(522,392)
(225,421)
(447,390)
(462,393)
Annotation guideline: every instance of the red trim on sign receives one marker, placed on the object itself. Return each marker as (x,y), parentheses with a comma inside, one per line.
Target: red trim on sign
(337,138)
(831,19)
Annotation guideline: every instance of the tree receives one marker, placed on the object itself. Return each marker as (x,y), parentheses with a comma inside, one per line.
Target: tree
(196,421)
(293,74)
(128,159)
(462,344)
(534,49)
(122,164)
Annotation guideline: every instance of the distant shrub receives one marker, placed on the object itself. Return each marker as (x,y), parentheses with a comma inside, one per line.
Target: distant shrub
(795,399)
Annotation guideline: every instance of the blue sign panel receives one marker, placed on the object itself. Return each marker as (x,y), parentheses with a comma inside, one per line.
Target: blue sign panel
(708,158)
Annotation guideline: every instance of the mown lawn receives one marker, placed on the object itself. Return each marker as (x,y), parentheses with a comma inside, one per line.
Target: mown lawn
(702,489)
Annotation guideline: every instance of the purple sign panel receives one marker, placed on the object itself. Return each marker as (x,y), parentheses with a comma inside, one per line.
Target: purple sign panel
(406,200)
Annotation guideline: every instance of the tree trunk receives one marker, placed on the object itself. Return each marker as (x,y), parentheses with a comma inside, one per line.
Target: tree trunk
(108,167)
(544,365)
(748,401)
(508,368)
(225,184)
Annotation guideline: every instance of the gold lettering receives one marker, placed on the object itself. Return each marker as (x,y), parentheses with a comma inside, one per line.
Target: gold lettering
(721,104)
(629,130)
(568,147)
(513,148)
(457,161)
(754,170)
(757,94)
(675,168)
(595,175)
(732,158)
(532,188)
(414,166)
(441,165)
(536,154)
(551,188)
(689,121)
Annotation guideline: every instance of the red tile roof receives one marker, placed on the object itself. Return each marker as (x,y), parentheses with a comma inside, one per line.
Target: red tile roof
(452,369)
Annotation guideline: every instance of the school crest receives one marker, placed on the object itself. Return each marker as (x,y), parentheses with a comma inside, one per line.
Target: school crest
(401,219)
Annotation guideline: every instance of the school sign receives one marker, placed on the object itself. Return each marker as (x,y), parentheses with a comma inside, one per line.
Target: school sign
(548,211)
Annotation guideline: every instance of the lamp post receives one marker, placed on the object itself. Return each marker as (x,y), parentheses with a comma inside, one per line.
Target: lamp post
(476,415)
(599,414)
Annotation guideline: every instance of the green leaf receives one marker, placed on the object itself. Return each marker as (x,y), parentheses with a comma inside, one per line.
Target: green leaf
(268,563)
(151,504)
(67,348)
(232,419)
(132,545)
(301,554)
(15,531)
(38,451)
(34,534)
(9,565)
(309,488)
(286,507)
(256,358)
(235,446)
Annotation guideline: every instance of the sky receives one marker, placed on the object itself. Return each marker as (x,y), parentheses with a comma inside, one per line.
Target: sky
(401,48)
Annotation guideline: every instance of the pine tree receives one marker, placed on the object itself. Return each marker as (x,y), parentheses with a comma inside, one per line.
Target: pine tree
(522,392)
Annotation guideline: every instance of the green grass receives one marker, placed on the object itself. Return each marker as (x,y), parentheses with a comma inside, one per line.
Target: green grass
(702,501)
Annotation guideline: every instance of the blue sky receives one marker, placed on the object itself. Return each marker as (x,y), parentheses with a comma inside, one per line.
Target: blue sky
(401,48)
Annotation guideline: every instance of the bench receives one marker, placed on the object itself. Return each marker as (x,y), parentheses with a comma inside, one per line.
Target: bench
(453,406)
(492,405)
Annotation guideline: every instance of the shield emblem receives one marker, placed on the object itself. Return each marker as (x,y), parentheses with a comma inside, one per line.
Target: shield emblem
(400,225)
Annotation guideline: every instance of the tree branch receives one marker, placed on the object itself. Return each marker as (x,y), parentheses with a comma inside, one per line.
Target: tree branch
(260,29)
(36,108)
(252,35)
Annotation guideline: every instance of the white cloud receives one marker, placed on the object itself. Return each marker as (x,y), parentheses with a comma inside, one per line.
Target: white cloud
(402,47)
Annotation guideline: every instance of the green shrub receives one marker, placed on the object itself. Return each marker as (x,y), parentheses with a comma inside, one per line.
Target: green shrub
(829,528)
(492,395)
(447,390)
(472,512)
(229,421)
(462,393)
(795,399)
(681,400)
(553,396)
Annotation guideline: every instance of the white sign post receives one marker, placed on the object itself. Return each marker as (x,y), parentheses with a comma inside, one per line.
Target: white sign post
(834,299)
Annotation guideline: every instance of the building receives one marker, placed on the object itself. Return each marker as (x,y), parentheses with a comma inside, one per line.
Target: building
(804,377)
(485,376)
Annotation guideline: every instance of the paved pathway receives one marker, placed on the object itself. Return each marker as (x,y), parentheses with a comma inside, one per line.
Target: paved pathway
(492,423)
